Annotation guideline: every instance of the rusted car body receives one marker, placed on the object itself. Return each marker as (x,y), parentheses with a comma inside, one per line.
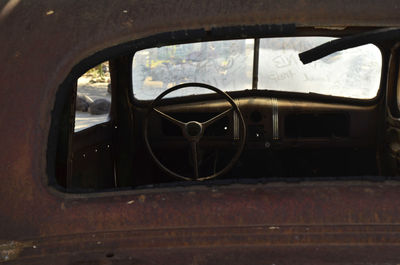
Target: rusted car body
(307,222)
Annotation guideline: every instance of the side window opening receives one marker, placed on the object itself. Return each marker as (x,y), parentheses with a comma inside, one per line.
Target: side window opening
(93,99)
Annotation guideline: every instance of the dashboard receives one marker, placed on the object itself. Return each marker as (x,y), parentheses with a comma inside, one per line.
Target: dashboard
(285,139)
(277,123)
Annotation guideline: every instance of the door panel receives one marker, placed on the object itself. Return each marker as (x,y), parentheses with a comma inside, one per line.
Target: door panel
(92,158)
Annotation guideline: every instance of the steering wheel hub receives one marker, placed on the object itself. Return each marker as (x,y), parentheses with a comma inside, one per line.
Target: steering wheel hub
(193,129)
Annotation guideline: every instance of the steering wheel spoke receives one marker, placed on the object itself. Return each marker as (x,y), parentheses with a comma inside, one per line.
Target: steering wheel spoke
(216,118)
(171,119)
(193,146)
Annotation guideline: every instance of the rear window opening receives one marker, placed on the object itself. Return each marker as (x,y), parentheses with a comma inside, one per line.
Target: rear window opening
(285,138)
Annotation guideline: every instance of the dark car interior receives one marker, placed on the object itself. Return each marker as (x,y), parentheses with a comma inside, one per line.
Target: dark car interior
(231,136)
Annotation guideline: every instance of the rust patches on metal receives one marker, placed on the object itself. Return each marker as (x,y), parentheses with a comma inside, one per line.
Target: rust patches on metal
(10,250)
(142,198)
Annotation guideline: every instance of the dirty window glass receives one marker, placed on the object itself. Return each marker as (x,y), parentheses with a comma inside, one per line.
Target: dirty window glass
(228,65)
(93,97)
(353,73)
(224,64)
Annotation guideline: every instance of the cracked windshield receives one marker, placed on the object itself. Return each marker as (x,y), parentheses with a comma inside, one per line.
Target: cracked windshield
(228,65)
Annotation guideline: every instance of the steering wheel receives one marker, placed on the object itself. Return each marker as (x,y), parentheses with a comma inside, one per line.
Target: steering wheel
(193,131)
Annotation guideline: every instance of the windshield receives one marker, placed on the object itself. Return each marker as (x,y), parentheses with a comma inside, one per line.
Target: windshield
(229,65)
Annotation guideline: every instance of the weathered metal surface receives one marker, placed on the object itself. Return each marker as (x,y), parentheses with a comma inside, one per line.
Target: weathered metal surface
(42,40)
(256,244)
(261,220)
